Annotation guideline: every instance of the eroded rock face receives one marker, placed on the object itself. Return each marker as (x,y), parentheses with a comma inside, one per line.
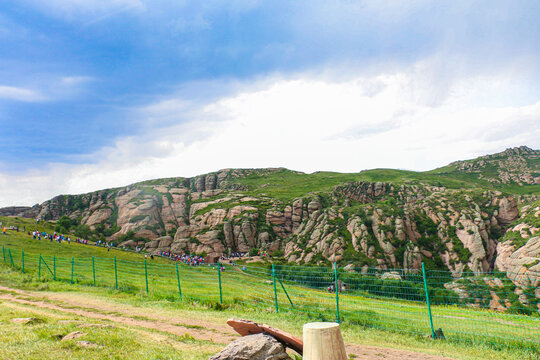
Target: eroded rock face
(373,224)
(522,265)
(514,165)
(21,211)
(508,211)
(472,240)
(253,347)
(97,217)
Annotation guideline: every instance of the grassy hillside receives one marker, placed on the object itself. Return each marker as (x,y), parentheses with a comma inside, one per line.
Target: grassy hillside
(22,241)
(515,170)
(390,305)
(287,185)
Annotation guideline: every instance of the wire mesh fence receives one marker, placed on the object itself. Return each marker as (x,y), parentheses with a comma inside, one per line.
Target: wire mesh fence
(495,308)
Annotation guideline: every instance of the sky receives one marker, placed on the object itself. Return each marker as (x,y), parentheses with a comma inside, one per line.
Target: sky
(103,93)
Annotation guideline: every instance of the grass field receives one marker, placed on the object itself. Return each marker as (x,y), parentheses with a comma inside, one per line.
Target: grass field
(42,339)
(286,185)
(21,240)
(253,291)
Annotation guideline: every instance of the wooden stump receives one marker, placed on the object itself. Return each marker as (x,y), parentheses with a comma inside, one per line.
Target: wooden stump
(323,341)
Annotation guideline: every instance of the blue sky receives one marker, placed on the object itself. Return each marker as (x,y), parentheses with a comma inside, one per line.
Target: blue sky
(97,93)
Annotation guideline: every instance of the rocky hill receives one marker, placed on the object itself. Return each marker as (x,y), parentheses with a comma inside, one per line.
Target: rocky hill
(382,218)
(520,165)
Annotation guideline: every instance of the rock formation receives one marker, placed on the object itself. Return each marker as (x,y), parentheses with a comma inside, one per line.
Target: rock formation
(359,223)
(253,347)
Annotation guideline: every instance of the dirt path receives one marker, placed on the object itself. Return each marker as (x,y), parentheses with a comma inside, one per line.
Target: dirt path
(132,316)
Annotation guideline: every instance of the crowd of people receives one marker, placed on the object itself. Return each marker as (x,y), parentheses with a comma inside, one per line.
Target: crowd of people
(59,238)
(108,245)
(12,227)
(192,260)
(235,255)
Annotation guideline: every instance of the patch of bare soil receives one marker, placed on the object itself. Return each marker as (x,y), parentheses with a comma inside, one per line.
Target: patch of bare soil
(142,318)
(375,353)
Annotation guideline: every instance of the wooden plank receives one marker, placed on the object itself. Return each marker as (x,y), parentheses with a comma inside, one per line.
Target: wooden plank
(247,327)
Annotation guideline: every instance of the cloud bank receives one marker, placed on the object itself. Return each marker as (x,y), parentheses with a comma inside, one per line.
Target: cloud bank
(404,119)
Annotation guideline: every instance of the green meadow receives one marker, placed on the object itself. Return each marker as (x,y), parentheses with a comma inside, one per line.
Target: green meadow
(290,294)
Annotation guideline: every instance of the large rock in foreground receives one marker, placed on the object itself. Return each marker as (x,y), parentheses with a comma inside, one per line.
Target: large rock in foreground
(253,347)
(523,265)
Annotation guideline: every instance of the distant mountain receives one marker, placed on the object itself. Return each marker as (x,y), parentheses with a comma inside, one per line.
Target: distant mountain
(454,217)
(520,165)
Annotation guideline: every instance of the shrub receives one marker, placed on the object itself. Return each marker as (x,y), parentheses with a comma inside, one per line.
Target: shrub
(64,224)
(83,231)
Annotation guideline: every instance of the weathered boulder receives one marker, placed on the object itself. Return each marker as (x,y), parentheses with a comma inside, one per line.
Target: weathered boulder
(98,216)
(253,347)
(523,265)
(164,241)
(391,275)
(264,238)
(210,181)
(228,233)
(88,344)
(472,239)
(296,216)
(152,244)
(349,268)
(508,211)
(180,246)
(129,244)
(74,335)
(30,320)
(314,205)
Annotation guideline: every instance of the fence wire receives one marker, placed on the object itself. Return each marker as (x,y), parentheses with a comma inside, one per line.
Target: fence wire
(494,308)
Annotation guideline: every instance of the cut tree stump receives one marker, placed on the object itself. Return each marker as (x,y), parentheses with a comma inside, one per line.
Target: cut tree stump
(323,341)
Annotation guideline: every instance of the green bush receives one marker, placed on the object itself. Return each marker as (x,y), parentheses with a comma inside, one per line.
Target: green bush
(83,231)
(64,225)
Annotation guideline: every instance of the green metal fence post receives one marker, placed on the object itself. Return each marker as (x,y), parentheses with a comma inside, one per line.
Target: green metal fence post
(39,268)
(337,291)
(285,291)
(22,255)
(115,275)
(72,268)
(94,271)
(54,267)
(178,278)
(4,252)
(11,258)
(219,276)
(275,290)
(427,301)
(146,275)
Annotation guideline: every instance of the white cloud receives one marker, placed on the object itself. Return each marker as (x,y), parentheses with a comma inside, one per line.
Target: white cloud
(305,123)
(19,94)
(75,80)
(87,10)
(55,87)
